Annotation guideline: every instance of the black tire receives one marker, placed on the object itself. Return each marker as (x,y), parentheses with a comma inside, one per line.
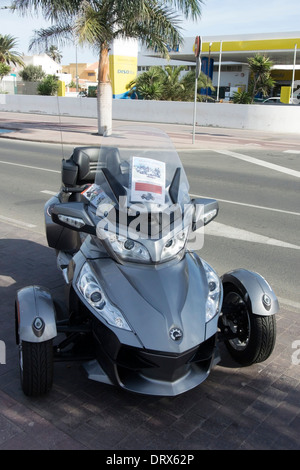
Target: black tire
(252,337)
(36,367)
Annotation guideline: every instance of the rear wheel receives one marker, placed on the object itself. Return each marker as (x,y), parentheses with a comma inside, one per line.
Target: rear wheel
(249,338)
(36,367)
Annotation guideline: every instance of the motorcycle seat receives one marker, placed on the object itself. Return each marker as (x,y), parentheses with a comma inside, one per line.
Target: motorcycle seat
(82,166)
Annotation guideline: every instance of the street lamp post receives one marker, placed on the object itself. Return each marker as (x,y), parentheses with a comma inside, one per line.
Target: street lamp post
(293,78)
(77,88)
(219,73)
(210,44)
(198,47)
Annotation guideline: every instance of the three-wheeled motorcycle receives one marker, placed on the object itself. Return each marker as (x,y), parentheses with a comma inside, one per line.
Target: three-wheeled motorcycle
(142,311)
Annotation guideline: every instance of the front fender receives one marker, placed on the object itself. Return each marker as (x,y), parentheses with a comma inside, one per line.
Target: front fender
(255,289)
(35,315)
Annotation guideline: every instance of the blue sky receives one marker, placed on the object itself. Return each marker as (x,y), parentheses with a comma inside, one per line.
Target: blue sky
(219,17)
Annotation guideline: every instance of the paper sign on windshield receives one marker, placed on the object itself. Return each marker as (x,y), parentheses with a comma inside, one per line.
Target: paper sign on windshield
(148,179)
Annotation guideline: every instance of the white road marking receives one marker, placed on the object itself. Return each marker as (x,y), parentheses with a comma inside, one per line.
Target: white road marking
(250,205)
(226,231)
(51,193)
(16,222)
(256,161)
(29,166)
(292,151)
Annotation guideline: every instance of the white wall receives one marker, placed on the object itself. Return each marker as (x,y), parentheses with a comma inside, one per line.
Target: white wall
(53,105)
(273,118)
(48,65)
(232,79)
(65,77)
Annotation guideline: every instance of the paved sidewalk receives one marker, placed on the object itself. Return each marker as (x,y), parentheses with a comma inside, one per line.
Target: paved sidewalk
(83,131)
(235,408)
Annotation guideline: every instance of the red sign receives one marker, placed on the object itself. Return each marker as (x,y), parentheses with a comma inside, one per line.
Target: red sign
(197,46)
(152,188)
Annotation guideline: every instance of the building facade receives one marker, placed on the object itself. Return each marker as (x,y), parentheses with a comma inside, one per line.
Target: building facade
(230,54)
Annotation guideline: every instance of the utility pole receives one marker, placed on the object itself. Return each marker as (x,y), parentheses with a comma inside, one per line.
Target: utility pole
(293,78)
(219,74)
(208,67)
(198,46)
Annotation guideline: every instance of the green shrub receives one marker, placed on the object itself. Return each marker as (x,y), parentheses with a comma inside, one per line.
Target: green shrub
(48,86)
(32,73)
(242,97)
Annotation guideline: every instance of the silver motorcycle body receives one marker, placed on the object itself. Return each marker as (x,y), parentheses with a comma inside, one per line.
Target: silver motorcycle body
(143,311)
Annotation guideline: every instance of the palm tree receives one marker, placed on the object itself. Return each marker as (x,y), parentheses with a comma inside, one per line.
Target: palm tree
(174,87)
(7,54)
(148,85)
(188,82)
(98,22)
(242,97)
(54,53)
(260,71)
(4,70)
(169,83)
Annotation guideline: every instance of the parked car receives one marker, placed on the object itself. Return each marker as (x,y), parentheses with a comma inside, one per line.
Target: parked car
(272,100)
(276,100)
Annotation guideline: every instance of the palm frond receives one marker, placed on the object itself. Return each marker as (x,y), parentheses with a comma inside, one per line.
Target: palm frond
(57,34)
(189,8)
(93,26)
(7,54)
(158,27)
(53,10)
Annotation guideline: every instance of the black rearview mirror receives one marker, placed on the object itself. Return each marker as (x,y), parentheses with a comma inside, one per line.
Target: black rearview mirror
(205,211)
(74,216)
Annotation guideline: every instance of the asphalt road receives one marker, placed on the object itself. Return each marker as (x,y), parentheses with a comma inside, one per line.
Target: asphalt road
(259,220)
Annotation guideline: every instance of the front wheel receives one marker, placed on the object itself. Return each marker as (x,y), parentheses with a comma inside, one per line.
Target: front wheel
(36,367)
(249,338)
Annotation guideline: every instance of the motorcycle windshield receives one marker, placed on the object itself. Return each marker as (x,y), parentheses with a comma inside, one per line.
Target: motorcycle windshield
(144,162)
(141,195)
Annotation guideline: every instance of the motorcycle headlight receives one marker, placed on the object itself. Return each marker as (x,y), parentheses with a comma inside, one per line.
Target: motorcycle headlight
(93,293)
(174,245)
(214,286)
(128,249)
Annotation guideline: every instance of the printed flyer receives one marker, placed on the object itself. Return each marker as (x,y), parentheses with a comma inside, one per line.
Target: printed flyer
(148,179)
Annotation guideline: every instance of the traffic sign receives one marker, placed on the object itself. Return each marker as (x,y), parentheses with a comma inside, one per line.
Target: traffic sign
(198,46)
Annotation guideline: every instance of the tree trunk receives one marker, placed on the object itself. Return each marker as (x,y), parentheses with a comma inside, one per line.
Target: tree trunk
(104,95)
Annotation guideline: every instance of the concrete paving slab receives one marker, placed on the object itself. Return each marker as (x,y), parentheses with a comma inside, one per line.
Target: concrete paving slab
(236,408)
